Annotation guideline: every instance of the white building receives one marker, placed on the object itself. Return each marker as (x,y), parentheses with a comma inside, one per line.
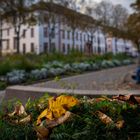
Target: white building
(35,39)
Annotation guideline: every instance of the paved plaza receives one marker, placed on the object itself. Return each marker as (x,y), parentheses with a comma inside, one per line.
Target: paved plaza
(109,81)
(105,79)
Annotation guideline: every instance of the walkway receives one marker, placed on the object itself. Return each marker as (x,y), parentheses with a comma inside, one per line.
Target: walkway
(2,93)
(100,80)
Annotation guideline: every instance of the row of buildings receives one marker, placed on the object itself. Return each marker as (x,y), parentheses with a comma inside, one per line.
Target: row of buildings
(40,38)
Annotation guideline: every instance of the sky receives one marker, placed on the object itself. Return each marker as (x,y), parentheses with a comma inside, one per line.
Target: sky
(125,3)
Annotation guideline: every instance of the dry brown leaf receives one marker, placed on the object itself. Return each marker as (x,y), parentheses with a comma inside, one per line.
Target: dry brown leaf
(137,99)
(128,98)
(120,124)
(42,132)
(45,126)
(19,110)
(61,120)
(99,99)
(25,120)
(104,118)
(107,120)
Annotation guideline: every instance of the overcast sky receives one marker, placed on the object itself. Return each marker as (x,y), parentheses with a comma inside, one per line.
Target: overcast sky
(125,3)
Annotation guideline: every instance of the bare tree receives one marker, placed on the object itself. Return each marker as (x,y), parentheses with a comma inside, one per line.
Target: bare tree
(90,10)
(46,15)
(1,22)
(119,18)
(17,13)
(133,26)
(103,13)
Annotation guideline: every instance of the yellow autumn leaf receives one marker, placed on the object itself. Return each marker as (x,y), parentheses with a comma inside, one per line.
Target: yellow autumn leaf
(57,107)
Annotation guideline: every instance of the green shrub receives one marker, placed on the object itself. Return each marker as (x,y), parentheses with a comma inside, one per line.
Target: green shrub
(107,56)
(30,62)
(5,67)
(20,62)
(121,56)
(3,85)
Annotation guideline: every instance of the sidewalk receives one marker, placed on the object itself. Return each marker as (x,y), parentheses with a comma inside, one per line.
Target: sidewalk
(109,79)
(2,94)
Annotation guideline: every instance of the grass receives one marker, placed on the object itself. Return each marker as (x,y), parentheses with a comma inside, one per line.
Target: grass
(85,124)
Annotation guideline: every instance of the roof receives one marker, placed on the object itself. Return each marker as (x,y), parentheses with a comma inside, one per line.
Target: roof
(68,13)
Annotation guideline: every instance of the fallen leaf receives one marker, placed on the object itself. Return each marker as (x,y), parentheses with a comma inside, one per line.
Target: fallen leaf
(104,118)
(25,120)
(19,110)
(120,124)
(57,107)
(43,129)
(99,99)
(61,120)
(128,98)
(42,132)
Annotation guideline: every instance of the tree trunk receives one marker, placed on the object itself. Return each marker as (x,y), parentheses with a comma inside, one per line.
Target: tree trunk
(124,46)
(18,39)
(116,50)
(99,50)
(73,39)
(105,44)
(138,61)
(50,38)
(92,37)
(0,37)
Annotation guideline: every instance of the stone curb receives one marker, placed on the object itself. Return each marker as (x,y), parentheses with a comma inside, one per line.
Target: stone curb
(25,92)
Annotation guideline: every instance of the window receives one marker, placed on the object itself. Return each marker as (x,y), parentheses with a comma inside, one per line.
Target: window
(32,48)
(81,36)
(15,31)
(15,43)
(45,32)
(53,33)
(45,47)
(7,47)
(84,37)
(24,48)
(8,32)
(77,36)
(53,49)
(32,32)
(68,48)
(63,34)
(24,33)
(63,49)
(68,35)
(95,39)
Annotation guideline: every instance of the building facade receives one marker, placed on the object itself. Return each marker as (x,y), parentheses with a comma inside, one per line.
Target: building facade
(44,38)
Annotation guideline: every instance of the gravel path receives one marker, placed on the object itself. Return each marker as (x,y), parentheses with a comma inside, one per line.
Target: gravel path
(100,80)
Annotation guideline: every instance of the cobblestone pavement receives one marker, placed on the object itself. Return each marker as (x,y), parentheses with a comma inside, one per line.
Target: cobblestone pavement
(113,78)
